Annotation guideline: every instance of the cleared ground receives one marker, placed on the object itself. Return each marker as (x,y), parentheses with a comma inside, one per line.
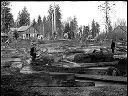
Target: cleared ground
(9,54)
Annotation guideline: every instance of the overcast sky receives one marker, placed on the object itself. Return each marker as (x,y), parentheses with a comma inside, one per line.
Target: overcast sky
(85,11)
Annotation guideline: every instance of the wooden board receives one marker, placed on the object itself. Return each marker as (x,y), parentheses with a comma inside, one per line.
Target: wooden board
(102,77)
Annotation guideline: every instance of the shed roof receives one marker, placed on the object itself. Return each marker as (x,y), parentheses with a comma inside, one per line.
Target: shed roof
(123,28)
(23,28)
(13,29)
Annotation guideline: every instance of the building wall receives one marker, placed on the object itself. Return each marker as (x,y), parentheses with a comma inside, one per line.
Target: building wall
(31,33)
(118,33)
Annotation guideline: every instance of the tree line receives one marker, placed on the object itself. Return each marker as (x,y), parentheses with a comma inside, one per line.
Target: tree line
(69,27)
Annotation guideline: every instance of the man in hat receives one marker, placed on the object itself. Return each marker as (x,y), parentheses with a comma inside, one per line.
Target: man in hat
(113,46)
(33,51)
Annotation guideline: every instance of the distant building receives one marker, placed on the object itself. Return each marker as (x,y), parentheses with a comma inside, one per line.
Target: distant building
(28,32)
(119,33)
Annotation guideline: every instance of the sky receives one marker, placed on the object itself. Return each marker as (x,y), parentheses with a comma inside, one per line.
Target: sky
(85,11)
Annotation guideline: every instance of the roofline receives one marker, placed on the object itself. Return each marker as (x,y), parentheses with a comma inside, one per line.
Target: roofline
(119,27)
(122,28)
(28,28)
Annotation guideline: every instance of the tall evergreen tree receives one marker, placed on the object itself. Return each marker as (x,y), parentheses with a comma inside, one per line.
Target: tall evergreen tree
(73,27)
(85,32)
(7,20)
(49,21)
(58,21)
(75,23)
(71,32)
(80,32)
(39,20)
(23,18)
(34,21)
(93,29)
(63,28)
(97,28)
(40,25)
(54,14)
(45,27)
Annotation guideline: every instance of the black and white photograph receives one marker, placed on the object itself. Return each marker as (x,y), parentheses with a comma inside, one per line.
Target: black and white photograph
(63,48)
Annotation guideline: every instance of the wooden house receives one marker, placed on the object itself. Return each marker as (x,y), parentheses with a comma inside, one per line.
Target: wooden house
(28,32)
(119,33)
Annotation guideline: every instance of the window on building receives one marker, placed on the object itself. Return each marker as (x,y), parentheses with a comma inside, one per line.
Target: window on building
(31,35)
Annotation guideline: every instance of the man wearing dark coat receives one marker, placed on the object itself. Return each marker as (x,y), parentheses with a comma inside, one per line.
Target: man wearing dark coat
(113,46)
(33,52)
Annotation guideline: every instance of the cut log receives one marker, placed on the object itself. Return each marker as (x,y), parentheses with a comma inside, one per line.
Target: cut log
(93,57)
(84,84)
(47,59)
(73,63)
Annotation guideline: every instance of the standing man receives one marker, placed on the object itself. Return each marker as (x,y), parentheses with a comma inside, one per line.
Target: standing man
(33,51)
(113,46)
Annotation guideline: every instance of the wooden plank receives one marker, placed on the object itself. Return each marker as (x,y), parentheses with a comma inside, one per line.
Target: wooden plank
(102,77)
(73,63)
(98,77)
(98,64)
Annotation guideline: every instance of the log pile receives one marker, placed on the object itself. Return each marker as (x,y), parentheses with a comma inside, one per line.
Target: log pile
(93,57)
